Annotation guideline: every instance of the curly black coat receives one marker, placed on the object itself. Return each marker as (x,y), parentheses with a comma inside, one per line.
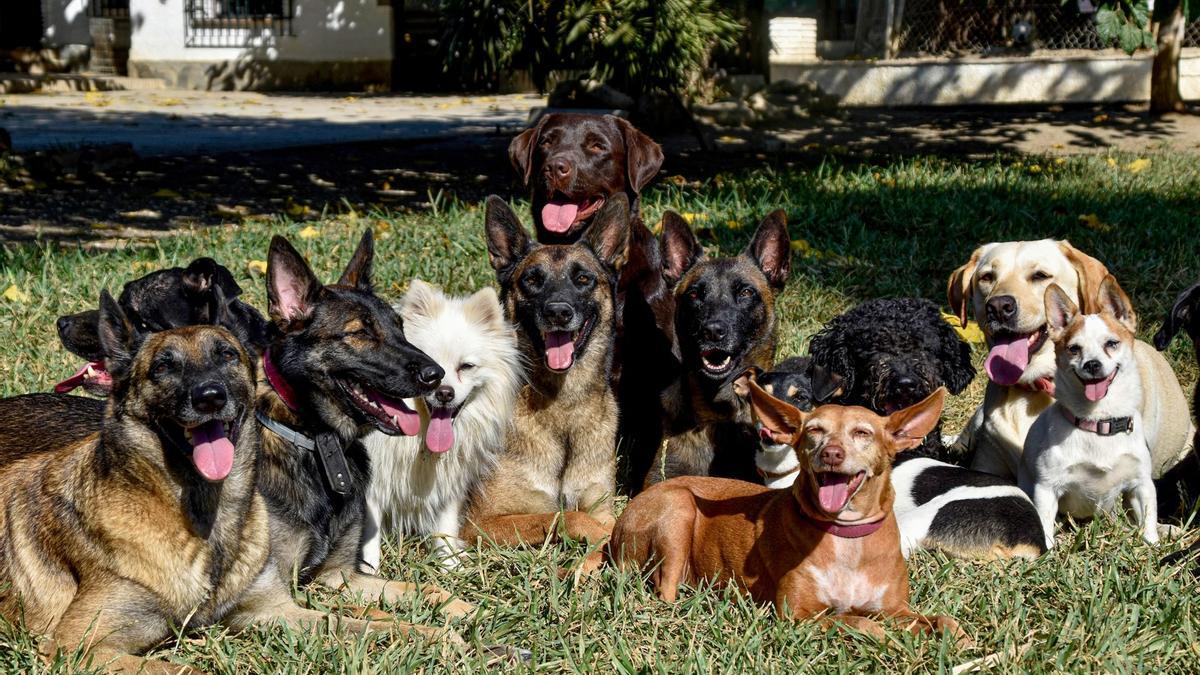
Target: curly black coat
(891,353)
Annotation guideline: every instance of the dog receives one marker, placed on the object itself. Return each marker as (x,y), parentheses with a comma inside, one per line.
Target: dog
(724,323)
(1005,284)
(420,484)
(789,381)
(168,298)
(338,367)
(561,451)
(60,420)
(830,544)
(571,163)
(1091,448)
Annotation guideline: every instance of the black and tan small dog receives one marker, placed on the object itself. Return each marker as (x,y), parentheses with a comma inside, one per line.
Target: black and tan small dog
(572,164)
(724,323)
(1179,488)
(561,452)
(153,523)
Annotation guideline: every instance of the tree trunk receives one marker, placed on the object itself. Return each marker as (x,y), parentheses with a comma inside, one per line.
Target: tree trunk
(1164,75)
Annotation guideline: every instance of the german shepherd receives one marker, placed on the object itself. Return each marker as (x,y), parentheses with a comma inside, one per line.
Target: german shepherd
(338,367)
(561,453)
(154,522)
(725,323)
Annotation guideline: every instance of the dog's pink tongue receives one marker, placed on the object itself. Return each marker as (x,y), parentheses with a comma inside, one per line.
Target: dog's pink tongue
(406,418)
(559,217)
(834,491)
(1094,391)
(99,374)
(1007,360)
(439,436)
(212,452)
(560,350)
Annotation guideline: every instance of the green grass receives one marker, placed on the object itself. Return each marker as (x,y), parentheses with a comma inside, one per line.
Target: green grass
(1097,602)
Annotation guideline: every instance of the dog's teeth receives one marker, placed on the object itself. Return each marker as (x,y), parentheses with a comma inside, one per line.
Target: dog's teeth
(396,421)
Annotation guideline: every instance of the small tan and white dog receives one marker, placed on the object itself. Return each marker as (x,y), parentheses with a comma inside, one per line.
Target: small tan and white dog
(420,484)
(1089,449)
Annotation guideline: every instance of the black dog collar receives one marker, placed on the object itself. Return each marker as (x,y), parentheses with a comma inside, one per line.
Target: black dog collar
(1108,427)
(327,446)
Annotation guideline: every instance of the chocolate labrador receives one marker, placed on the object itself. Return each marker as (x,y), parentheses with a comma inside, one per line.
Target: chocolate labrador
(572,163)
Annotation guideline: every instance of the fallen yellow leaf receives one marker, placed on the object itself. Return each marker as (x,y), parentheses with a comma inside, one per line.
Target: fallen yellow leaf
(733,224)
(309,232)
(970,332)
(1059,161)
(1111,161)
(1100,119)
(1035,168)
(166,194)
(801,245)
(257,268)
(1093,222)
(692,217)
(1138,165)
(14,294)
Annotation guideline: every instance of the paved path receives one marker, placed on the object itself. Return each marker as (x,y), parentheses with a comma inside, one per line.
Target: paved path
(174,122)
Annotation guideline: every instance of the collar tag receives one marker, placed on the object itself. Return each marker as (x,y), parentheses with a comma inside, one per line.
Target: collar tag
(333,461)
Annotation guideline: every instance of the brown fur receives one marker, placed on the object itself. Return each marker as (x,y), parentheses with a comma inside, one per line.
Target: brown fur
(765,542)
(561,453)
(59,420)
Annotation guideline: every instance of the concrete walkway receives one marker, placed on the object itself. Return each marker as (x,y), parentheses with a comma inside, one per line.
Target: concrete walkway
(175,122)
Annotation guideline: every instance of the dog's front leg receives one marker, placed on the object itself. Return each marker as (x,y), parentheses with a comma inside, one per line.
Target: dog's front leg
(1045,502)
(374,589)
(1143,503)
(372,536)
(446,543)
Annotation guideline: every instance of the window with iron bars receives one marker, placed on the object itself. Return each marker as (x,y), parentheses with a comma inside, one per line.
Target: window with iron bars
(233,23)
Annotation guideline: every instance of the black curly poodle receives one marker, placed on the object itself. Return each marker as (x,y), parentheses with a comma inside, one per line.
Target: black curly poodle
(890,354)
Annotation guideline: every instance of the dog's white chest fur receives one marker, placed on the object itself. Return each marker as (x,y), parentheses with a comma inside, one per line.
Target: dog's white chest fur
(1090,472)
(841,584)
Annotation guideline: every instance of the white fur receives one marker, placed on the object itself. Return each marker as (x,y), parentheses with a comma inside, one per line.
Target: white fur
(841,586)
(420,493)
(1079,473)
(777,458)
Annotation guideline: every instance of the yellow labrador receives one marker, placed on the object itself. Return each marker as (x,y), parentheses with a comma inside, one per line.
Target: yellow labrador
(1005,285)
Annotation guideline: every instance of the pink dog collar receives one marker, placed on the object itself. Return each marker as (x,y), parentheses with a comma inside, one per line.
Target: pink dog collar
(1108,427)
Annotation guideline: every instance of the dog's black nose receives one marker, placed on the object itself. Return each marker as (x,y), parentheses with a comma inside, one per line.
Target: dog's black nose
(209,397)
(63,323)
(1001,307)
(558,313)
(444,394)
(430,374)
(715,331)
(1092,368)
(906,385)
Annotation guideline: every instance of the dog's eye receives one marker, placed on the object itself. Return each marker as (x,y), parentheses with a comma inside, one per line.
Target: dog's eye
(746,293)
(583,279)
(465,366)
(228,355)
(161,368)
(693,294)
(532,281)
(596,147)
(1074,350)
(1111,345)
(861,433)
(987,278)
(1039,276)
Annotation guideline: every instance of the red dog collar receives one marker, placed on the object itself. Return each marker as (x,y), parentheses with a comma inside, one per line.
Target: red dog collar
(848,531)
(275,379)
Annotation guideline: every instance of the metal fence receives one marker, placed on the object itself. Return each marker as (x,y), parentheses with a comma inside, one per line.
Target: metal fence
(109,9)
(234,23)
(963,27)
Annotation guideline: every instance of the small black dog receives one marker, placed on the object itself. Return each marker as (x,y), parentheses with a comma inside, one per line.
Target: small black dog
(889,354)
(162,300)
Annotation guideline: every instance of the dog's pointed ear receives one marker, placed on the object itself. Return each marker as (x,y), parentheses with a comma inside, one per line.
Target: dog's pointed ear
(771,249)
(1181,316)
(909,427)
(204,273)
(1115,302)
(292,288)
(783,419)
(483,309)
(1091,273)
(827,386)
(358,270)
(1060,310)
(421,299)
(961,286)
(507,241)
(643,157)
(741,385)
(608,235)
(520,150)
(119,338)
(679,248)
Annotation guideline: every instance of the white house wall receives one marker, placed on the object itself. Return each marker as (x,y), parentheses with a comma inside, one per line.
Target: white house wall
(334,43)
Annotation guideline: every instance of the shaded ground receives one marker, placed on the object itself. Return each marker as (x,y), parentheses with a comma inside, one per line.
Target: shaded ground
(110,193)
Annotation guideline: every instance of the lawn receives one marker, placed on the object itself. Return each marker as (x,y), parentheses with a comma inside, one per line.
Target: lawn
(1099,601)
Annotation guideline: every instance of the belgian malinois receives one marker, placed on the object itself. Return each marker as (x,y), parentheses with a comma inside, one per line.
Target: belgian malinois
(561,453)
(338,367)
(151,524)
(724,323)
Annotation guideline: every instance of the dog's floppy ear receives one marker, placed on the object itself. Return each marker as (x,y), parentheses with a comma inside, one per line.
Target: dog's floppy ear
(954,358)
(119,338)
(1113,300)
(292,288)
(358,270)
(483,309)
(827,387)
(771,249)
(679,248)
(520,150)
(1180,316)
(909,427)
(422,299)
(204,273)
(1091,273)
(961,285)
(781,418)
(643,157)
(608,236)
(1060,310)
(507,241)
(831,354)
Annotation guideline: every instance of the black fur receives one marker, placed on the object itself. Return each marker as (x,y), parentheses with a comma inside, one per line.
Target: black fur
(978,524)
(937,480)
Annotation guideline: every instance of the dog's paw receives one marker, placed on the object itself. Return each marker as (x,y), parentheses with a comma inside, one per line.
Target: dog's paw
(450,605)
(1169,532)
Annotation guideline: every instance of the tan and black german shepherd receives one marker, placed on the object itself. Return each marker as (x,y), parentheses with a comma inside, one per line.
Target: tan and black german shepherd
(724,323)
(561,454)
